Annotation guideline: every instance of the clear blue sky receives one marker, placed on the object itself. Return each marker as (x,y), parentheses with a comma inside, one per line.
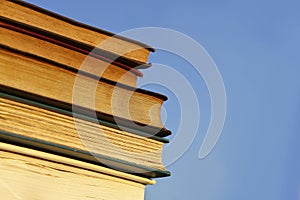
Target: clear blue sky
(255,45)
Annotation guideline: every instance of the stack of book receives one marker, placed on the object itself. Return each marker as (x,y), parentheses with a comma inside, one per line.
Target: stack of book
(73,125)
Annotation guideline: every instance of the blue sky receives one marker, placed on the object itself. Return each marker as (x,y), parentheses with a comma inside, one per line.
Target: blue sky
(255,45)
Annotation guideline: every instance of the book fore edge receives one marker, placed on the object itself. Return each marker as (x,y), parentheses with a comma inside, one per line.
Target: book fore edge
(101,54)
(73,162)
(81,116)
(80,24)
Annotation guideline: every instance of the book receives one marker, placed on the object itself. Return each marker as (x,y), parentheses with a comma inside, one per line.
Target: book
(43,122)
(81,155)
(38,17)
(54,83)
(35,42)
(30,174)
(73,125)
